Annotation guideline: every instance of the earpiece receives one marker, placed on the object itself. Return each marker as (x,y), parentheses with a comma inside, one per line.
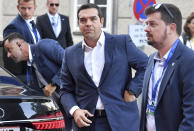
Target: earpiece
(18,43)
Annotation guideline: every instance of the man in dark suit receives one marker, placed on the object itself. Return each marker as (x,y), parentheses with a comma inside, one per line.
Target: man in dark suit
(54,25)
(44,60)
(168,92)
(22,25)
(97,87)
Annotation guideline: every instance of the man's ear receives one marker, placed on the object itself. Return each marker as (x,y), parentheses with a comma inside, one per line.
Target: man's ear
(18,7)
(102,21)
(173,26)
(35,6)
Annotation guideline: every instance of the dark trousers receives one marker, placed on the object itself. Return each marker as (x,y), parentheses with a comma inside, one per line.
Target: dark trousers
(68,120)
(98,124)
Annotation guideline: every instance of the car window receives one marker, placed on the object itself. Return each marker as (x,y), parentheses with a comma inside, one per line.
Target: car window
(9,85)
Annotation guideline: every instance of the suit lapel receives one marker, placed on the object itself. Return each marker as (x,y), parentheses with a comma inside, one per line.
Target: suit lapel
(36,58)
(108,57)
(48,22)
(35,54)
(62,24)
(27,30)
(169,71)
(147,78)
(80,56)
(33,72)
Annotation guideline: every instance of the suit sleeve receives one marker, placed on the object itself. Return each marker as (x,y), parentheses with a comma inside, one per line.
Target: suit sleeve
(55,53)
(138,61)
(187,87)
(9,29)
(67,88)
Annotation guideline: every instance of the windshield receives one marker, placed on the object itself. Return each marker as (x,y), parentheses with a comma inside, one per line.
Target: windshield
(9,85)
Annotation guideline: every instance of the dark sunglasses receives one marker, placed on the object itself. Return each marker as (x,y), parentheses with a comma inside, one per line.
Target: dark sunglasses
(56,4)
(157,6)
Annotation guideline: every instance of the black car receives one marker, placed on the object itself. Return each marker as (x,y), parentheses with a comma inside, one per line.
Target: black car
(21,109)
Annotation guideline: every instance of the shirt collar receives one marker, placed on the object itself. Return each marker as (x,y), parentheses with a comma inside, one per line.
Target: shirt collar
(50,16)
(30,55)
(157,57)
(101,41)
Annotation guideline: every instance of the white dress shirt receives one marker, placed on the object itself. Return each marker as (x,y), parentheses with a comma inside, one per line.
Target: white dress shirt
(31,31)
(158,69)
(94,60)
(56,23)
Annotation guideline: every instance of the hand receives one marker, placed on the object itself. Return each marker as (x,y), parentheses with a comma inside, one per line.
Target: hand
(129,97)
(48,90)
(80,118)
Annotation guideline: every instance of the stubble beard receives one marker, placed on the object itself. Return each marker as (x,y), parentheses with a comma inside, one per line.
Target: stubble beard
(154,43)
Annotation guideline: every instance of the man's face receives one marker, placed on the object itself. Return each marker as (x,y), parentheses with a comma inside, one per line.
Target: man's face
(53,6)
(90,23)
(13,51)
(156,29)
(27,9)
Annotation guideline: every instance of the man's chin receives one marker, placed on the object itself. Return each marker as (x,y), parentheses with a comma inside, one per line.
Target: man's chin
(27,17)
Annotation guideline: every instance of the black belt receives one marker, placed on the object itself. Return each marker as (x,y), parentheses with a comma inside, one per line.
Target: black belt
(100,113)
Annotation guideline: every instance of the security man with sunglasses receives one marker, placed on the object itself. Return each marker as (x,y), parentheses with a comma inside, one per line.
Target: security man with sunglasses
(54,25)
(168,92)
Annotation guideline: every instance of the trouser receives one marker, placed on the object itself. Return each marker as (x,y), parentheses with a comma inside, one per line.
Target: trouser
(99,123)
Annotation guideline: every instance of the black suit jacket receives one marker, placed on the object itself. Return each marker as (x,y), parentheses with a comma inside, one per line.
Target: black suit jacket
(46,31)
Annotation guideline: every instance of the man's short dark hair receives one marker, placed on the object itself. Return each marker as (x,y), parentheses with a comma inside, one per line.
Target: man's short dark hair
(26,1)
(89,6)
(169,14)
(12,37)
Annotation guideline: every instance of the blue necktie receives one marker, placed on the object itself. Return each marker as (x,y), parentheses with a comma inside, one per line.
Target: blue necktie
(28,75)
(34,30)
(54,25)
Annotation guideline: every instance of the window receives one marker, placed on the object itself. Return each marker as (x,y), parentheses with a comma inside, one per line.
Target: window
(106,7)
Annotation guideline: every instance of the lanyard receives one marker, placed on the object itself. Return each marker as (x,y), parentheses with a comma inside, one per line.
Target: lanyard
(28,73)
(33,29)
(154,87)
